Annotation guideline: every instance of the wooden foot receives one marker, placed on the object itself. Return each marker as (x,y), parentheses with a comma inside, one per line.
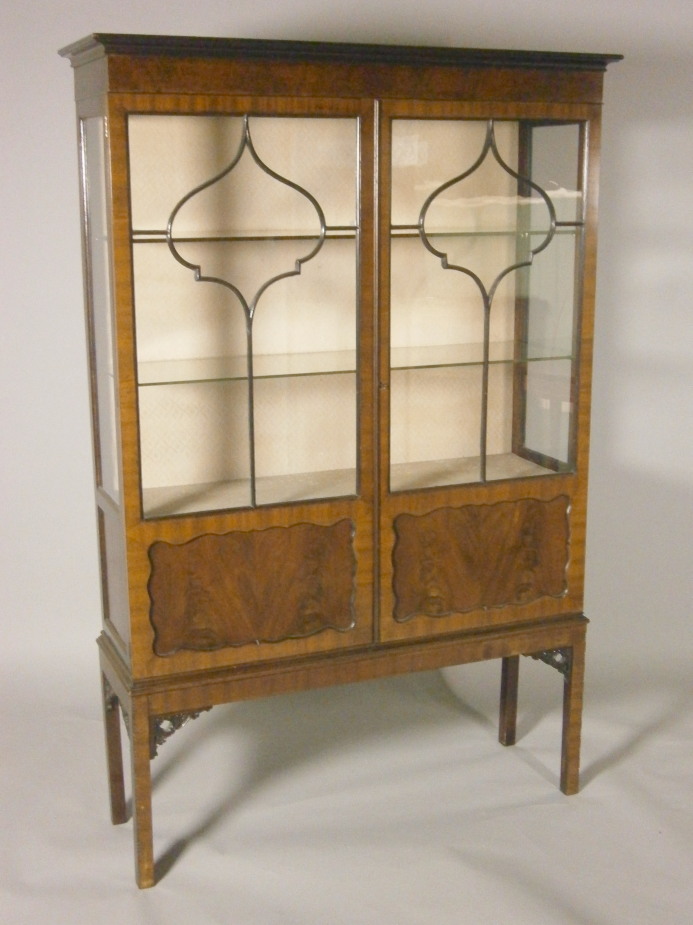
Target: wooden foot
(114,753)
(142,793)
(572,720)
(507,725)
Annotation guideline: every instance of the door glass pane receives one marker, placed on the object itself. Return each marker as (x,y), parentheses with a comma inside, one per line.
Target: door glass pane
(313,458)
(423,452)
(482,288)
(194,445)
(245,236)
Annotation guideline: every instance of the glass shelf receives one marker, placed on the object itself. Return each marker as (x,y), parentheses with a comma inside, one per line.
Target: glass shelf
(412,231)
(159,236)
(442,472)
(332,362)
(278,489)
(265,366)
(427,357)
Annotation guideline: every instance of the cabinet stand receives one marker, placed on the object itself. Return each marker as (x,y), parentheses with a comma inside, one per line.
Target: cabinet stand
(147,706)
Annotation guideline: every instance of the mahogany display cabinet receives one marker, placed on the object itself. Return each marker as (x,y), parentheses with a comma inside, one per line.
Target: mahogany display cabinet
(340,311)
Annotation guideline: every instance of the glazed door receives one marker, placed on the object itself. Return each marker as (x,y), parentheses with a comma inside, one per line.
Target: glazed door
(485,224)
(250,233)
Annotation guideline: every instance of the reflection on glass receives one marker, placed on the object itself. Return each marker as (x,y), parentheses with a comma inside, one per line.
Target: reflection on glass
(555,150)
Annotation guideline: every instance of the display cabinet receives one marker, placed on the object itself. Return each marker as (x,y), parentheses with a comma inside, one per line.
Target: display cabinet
(340,309)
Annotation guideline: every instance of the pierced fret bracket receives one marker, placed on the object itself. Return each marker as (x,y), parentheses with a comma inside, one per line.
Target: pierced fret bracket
(560,659)
(163,727)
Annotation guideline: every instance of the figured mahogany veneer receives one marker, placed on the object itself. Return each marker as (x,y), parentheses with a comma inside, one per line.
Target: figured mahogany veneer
(454,560)
(262,586)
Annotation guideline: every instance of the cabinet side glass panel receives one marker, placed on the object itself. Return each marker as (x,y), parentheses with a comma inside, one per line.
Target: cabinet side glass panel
(547,303)
(100,302)
(486,222)
(547,355)
(245,241)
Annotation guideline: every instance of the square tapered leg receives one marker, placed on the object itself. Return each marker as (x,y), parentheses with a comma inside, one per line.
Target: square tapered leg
(572,720)
(142,792)
(114,753)
(507,725)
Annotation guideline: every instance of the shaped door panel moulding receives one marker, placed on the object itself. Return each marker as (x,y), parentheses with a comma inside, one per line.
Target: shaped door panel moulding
(243,588)
(454,560)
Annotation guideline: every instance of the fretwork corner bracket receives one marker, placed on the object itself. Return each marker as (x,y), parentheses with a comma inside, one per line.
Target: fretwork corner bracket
(560,659)
(163,727)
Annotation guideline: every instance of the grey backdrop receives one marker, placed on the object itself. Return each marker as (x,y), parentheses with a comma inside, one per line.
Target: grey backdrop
(640,528)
